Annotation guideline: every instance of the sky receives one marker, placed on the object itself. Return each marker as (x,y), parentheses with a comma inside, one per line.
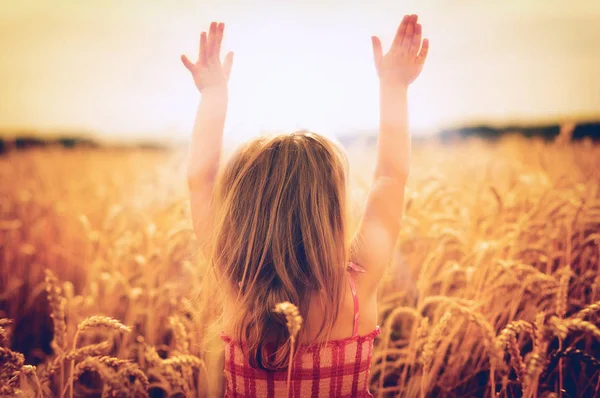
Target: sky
(113,67)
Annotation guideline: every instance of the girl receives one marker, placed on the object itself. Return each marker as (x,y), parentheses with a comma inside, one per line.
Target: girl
(272,223)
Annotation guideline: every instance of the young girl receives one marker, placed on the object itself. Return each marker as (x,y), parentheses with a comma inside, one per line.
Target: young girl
(273,224)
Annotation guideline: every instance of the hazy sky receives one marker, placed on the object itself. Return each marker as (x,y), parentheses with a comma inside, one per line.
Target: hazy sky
(113,66)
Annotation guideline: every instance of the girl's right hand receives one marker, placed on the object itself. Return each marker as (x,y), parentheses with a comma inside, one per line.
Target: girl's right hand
(404,62)
(208,71)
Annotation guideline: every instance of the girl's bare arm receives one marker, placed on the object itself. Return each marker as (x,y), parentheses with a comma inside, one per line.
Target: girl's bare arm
(211,78)
(378,230)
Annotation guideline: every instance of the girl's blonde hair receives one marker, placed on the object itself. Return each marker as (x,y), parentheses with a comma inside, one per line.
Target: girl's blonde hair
(280,236)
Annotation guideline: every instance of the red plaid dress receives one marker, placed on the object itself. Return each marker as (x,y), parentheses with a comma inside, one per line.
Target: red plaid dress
(340,368)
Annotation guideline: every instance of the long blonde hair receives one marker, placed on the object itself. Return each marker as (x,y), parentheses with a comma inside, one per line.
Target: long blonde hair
(280,236)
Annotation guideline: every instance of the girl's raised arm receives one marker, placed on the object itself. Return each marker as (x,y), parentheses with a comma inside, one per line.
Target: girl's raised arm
(211,78)
(376,237)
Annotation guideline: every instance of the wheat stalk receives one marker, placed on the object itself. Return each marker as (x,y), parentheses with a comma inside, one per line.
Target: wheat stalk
(57,309)
(3,337)
(180,361)
(90,323)
(112,362)
(433,340)
(536,362)
(102,321)
(174,379)
(571,352)
(429,348)
(133,371)
(88,351)
(92,364)
(57,313)
(293,323)
(561,327)
(587,311)
(507,337)
(30,371)
(10,363)
(180,335)
(563,290)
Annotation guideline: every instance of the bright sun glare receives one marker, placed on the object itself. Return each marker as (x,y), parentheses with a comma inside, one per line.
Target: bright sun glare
(287,78)
(115,71)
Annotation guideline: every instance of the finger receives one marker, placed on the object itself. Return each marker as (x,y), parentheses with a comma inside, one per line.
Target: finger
(203,56)
(416,41)
(423,53)
(219,40)
(400,32)
(227,63)
(377,51)
(410,31)
(187,63)
(212,41)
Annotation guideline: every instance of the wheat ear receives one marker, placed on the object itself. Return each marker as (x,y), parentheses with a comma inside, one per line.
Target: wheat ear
(429,349)
(57,313)
(93,322)
(293,323)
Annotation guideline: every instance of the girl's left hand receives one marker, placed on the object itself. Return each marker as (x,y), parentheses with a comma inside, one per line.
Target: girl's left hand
(208,71)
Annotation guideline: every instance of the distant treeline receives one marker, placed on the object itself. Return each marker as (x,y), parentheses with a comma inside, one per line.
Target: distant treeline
(25,142)
(30,142)
(546,132)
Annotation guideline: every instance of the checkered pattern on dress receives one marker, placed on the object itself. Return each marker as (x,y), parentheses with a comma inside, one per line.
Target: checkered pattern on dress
(339,368)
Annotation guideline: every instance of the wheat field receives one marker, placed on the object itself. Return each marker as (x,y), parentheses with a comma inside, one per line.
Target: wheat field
(494,290)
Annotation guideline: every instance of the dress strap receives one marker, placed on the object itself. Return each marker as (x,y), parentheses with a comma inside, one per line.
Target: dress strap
(356,268)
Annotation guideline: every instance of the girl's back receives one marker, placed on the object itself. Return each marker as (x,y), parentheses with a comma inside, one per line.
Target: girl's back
(272,223)
(337,368)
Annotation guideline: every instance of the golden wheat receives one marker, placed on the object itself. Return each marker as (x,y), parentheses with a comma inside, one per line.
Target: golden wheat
(563,290)
(180,361)
(102,321)
(500,239)
(587,311)
(180,335)
(293,323)
(11,364)
(91,350)
(57,310)
(3,332)
(292,317)
(433,339)
(507,337)
(429,350)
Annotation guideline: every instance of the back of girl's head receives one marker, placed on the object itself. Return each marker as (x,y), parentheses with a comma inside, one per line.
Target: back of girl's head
(280,236)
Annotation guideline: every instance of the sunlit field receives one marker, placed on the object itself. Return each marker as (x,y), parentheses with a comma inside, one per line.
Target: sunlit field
(495,288)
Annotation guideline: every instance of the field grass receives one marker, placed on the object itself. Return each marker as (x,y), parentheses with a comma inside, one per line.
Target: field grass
(495,288)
